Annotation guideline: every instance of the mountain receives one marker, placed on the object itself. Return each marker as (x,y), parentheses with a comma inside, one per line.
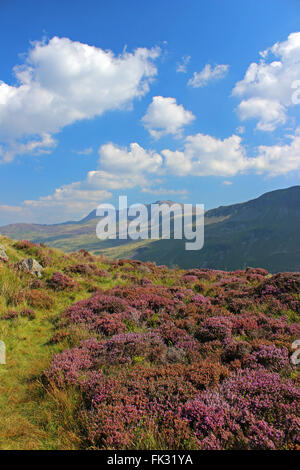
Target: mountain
(262,232)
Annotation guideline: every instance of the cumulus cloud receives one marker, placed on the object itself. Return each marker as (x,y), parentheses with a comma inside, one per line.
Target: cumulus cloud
(269,113)
(275,160)
(204,155)
(123,168)
(64,81)
(134,160)
(267,89)
(164,116)
(207,74)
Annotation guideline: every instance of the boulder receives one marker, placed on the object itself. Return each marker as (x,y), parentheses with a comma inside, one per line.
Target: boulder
(3,255)
(31,266)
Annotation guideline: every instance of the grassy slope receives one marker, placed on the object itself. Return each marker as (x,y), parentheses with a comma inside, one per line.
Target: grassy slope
(30,416)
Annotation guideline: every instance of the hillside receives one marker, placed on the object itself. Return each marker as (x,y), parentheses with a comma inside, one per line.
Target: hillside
(127,355)
(262,232)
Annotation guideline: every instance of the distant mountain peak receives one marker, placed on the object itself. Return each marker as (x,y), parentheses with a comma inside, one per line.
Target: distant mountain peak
(262,232)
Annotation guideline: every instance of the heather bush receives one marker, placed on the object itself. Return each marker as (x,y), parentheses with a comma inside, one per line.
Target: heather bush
(201,364)
(25,245)
(28,313)
(215,328)
(269,357)
(14,314)
(59,282)
(85,269)
(10,315)
(253,410)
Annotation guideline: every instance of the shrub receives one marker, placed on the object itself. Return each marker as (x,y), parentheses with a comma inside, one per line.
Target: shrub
(39,299)
(28,313)
(253,410)
(59,282)
(269,357)
(182,367)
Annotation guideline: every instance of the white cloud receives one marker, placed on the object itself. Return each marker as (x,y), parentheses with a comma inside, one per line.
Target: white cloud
(270,113)
(204,155)
(133,161)
(68,201)
(63,81)
(277,160)
(125,168)
(122,168)
(182,66)
(227,183)
(113,181)
(119,168)
(164,116)
(33,147)
(209,73)
(65,203)
(266,88)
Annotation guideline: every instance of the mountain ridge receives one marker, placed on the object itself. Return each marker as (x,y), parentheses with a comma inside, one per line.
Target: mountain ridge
(261,232)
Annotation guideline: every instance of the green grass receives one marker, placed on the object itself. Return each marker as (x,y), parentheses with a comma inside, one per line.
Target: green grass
(32,416)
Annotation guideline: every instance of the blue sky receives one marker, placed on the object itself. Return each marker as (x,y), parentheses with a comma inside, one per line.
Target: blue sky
(154,100)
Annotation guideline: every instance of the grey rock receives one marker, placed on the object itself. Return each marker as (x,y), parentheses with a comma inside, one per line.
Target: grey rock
(31,266)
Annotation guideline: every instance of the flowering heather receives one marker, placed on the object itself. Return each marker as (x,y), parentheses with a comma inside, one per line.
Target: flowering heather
(60,282)
(269,357)
(86,269)
(13,314)
(200,299)
(199,361)
(253,410)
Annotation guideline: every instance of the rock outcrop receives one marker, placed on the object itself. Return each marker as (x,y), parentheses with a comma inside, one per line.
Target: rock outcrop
(31,266)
